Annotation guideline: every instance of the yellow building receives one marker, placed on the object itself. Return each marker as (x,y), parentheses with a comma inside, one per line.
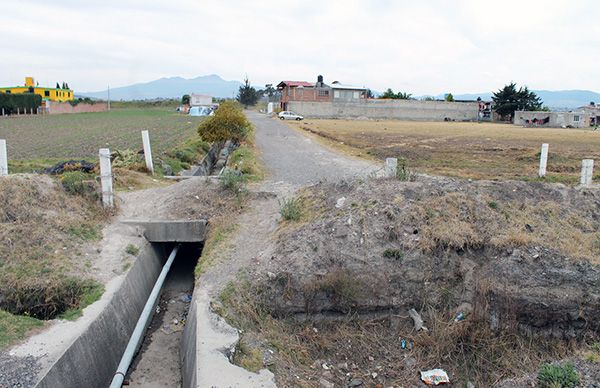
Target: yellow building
(52,94)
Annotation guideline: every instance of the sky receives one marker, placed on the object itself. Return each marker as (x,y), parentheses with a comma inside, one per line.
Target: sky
(425,47)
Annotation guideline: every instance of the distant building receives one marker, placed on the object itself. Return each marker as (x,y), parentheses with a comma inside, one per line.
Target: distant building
(592,112)
(573,119)
(200,100)
(295,91)
(48,94)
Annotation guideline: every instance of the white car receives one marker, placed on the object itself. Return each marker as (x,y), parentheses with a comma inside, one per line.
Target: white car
(288,115)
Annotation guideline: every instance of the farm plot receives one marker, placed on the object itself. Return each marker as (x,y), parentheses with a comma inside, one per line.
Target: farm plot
(79,136)
(467,150)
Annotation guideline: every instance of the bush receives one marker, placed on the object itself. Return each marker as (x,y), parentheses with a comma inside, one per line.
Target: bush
(233,181)
(12,102)
(79,183)
(228,123)
(290,209)
(132,250)
(403,173)
(395,254)
(557,376)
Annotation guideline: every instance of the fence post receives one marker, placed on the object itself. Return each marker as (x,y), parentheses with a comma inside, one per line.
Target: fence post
(3,158)
(543,160)
(391,165)
(106,177)
(2,112)
(587,171)
(147,151)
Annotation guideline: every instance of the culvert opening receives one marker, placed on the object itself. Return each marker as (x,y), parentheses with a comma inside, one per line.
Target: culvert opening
(158,359)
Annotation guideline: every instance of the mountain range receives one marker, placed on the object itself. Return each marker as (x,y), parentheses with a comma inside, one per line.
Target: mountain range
(554,99)
(175,87)
(172,87)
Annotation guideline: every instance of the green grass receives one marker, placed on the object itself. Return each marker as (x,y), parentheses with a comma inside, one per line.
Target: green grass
(15,327)
(92,293)
(290,209)
(132,250)
(245,159)
(86,232)
(39,141)
(558,376)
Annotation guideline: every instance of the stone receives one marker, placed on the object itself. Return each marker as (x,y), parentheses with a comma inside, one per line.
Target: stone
(355,383)
(340,202)
(326,384)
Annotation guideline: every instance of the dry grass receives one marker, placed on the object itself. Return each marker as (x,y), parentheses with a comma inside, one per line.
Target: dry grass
(469,150)
(461,221)
(41,229)
(468,350)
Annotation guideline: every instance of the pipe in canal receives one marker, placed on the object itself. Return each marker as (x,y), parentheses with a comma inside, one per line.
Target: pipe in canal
(142,323)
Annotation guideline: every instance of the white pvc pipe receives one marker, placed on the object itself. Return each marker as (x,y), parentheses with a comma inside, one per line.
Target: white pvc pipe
(142,323)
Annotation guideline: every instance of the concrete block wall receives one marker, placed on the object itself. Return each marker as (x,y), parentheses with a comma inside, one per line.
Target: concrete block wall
(388,109)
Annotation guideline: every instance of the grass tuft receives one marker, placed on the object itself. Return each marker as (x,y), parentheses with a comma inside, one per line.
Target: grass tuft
(290,209)
(558,376)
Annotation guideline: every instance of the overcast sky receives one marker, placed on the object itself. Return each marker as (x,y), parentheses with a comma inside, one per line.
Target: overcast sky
(432,47)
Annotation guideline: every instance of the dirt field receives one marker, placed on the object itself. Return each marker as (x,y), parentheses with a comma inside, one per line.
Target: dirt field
(81,135)
(468,150)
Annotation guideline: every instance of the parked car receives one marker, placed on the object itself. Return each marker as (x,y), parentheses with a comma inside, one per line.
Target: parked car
(289,115)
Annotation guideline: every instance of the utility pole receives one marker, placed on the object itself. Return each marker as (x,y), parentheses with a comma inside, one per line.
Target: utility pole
(108,106)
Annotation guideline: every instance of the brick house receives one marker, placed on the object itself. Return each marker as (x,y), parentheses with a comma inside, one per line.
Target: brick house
(318,92)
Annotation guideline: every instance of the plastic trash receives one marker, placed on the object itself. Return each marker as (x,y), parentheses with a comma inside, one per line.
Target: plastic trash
(403,344)
(459,317)
(435,377)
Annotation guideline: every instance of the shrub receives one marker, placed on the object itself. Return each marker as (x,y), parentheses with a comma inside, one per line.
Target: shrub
(493,205)
(79,183)
(233,181)
(12,102)
(395,254)
(290,209)
(132,250)
(404,173)
(557,376)
(228,123)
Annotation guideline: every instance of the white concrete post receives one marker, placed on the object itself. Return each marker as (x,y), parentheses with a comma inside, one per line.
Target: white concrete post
(147,151)
(2,111)
(543,160)
(391,165)
(106,177)
(3,158)
(587,171)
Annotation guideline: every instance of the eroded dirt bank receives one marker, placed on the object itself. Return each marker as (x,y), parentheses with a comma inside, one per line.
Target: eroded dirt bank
(488,265)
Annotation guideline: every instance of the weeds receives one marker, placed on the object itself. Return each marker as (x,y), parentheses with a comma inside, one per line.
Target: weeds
(557,376)
(403,172)
(395,254)
(80,183)
(493,205)
(15,327)
(290,209)
(86,232)
(234,182)
(132,250)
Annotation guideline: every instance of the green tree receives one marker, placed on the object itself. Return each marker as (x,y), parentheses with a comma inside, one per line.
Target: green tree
(185,99)
(247,94)
(228,123)
(449,97)
(57,85)
(508,100)
(369,93)
(389,93)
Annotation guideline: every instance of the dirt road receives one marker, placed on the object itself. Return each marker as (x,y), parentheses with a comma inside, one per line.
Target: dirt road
(295,159)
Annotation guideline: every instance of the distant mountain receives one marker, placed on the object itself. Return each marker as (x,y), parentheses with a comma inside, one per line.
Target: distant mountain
(173,87)
(554,99)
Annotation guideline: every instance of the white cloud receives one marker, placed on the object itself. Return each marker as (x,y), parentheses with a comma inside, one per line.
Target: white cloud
(422,48)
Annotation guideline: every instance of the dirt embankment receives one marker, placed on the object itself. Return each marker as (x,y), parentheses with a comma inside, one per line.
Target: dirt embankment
(486,264)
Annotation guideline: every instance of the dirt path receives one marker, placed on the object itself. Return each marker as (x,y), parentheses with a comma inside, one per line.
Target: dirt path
(296,160)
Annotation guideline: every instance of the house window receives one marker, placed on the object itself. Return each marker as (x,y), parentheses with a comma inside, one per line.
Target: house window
(355,95)
(336,94)
(323,93)
(46,93)
(576,118)
(8,92)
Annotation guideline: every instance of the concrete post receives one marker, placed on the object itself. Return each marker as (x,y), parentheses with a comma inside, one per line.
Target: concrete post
(2,111)
(106,177)
(147,151)
(391,165)
(543,160)
(3,158)
(587,171)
